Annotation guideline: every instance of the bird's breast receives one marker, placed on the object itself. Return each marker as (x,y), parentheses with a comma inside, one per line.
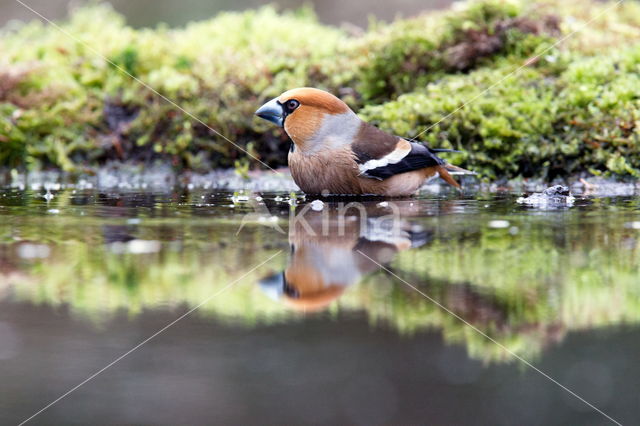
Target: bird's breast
(334,171)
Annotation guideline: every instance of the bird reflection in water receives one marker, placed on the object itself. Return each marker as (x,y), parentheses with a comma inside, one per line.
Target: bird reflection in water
(336,248)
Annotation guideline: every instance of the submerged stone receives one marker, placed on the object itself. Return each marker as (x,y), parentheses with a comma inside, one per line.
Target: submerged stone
(557,190)
(554,196)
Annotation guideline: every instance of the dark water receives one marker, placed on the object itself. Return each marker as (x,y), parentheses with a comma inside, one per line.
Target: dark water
(319,333)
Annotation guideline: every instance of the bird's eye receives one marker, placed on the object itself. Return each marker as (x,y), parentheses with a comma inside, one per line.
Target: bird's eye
(290,291)
(292,105)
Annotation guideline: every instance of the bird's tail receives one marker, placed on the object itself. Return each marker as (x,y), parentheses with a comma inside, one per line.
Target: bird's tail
(445,171)
(444,174)
(455,170)
(436,150)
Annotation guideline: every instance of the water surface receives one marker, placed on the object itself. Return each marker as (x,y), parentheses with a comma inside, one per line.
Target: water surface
(375,313)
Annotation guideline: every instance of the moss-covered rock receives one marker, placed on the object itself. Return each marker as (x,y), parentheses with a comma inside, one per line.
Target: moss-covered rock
(532,123)
(409,54)
(81,94)
(100,92)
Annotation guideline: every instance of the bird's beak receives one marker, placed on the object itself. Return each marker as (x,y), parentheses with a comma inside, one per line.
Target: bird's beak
(272,111)
(273,285)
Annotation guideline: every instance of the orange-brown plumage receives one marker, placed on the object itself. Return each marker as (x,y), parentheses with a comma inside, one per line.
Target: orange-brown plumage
(326,256)
(315,98)
(336,152)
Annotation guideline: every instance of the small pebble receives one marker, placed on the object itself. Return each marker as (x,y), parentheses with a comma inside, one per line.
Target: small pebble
(33,251)
(317,205)
(499,224)
(240,198)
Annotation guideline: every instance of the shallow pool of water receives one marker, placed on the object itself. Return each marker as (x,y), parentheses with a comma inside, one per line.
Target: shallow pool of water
(272,309)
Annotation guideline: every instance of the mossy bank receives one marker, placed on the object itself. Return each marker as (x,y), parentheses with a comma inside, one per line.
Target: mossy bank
(71,96)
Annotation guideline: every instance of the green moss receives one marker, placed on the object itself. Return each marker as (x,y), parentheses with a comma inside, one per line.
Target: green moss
(574,109)
(218,70)
(534,122)
(409,54)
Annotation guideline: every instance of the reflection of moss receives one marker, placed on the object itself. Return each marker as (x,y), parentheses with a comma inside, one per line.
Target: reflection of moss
(97,284)
(528,290)
(525,289)
(572,110)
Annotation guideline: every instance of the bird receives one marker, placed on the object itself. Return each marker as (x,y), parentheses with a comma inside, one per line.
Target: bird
(330,253)
(334,152)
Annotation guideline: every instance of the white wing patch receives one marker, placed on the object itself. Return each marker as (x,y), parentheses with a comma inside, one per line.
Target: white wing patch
(395,156)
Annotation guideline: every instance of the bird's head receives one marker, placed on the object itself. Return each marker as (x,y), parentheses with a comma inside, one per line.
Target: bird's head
(301,292)
(312,118)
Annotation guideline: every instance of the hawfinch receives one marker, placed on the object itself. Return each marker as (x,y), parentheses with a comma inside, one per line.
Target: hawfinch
(335,152)
(327,256)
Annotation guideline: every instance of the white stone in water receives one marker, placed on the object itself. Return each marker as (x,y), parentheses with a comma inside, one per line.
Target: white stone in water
(317,205)
(543,201)
(552,197)
(632,225)
(499,224)
(33,251)
(383,204)
(278,199)
(136,247)
(53,211)
(144,246)
(48,196)
(240,198)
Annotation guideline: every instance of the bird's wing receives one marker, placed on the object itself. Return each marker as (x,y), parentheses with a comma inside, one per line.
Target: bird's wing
(381,155)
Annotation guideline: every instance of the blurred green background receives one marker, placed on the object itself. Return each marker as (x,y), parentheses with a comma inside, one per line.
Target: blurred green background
(140,13)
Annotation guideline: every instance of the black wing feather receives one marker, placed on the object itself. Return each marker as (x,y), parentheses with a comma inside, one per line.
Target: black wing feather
(436,150)
(418,158)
